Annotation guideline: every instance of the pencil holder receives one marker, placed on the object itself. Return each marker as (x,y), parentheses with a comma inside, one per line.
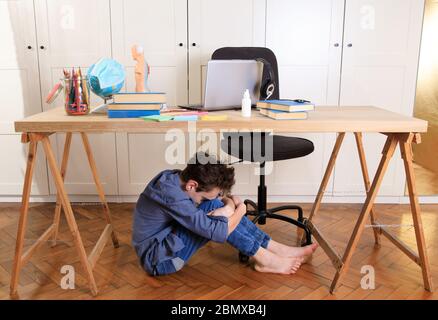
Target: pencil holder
(76,95)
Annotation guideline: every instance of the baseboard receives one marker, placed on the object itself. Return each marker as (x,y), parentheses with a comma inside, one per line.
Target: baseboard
(90,199)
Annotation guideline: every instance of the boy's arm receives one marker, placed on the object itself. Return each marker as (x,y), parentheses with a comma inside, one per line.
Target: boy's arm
(232,212)
(195,220)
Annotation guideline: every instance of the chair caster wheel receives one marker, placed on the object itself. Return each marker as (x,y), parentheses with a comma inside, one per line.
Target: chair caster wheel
(308,238)
(243,258)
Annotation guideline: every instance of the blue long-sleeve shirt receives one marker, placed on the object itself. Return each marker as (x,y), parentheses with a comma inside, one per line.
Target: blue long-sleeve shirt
(162,206)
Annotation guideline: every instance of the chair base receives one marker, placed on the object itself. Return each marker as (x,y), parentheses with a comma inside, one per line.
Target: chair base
(261,214)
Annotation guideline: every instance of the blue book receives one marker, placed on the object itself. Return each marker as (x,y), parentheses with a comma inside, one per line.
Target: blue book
(134,106)
(285,105)
(131,113)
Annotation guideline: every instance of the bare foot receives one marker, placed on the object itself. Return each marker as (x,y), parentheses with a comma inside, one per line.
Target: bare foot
(266,261)
(288,251)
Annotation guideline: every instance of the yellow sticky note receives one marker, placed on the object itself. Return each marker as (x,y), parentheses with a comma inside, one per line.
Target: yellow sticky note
(211,117)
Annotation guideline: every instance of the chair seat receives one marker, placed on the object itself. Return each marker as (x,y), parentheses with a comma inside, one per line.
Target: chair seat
(255,147)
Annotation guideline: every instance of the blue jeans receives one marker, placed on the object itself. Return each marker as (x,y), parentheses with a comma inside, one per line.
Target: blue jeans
(246,237)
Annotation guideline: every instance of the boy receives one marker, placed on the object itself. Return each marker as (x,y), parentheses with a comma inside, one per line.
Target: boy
(180,211)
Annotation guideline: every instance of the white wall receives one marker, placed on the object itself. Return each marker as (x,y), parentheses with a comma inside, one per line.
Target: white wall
(310,39)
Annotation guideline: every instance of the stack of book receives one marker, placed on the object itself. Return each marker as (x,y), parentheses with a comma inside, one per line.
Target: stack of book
(285,109)
(136,104)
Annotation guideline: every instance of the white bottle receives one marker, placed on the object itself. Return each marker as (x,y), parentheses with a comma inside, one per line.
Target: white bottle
(246,105)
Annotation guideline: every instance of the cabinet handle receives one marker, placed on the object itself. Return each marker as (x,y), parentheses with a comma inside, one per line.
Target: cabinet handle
(29,47)
(349,45)
(194,44)
(336,45)
(42,47)
(180,44)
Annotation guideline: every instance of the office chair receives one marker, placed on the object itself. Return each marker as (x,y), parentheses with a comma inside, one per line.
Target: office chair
(240,145)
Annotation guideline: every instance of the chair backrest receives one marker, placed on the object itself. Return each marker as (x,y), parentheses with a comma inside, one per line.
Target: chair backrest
(253,53)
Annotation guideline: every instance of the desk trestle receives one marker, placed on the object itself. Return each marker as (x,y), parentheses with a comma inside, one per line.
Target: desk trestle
(62,201)
(404,140)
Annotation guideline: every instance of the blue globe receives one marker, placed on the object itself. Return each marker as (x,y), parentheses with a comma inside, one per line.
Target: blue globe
(106,77)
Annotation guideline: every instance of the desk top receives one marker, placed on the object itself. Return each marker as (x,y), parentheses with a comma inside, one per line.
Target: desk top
(322,119)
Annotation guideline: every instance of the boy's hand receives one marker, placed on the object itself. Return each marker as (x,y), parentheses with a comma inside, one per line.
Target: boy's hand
(241,209)
(227,210)
(229,202)
(236,200)
(235,218)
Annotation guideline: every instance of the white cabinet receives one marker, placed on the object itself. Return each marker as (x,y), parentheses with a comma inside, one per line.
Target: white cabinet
(228,23)
(76,34)
(210,24)
(311,40)
(306,37)
(160,27)
(379,67)
(377,43)
(214,24)
(19,95)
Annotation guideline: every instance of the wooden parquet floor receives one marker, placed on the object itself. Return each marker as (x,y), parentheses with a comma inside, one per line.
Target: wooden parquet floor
(215,272)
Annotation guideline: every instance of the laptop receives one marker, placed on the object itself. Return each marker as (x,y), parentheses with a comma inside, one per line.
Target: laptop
(226,81)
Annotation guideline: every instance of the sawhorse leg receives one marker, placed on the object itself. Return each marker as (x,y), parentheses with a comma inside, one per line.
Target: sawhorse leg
(65,157)
(89,262)
(100,191)
(106,210)
(366,181)
(342,264)
(388,151)
(406,152)
(18,258)
(327,174)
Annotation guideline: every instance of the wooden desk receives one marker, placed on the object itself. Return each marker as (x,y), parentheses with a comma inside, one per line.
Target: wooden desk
(323,119)
(400,130)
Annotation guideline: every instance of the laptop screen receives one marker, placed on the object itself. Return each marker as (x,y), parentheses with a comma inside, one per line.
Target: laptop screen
(227,80)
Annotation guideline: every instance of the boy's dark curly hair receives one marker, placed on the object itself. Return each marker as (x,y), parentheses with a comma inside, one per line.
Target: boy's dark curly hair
(209,173)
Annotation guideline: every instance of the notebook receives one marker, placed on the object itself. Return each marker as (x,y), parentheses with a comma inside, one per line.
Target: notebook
(281,115)
(285,105)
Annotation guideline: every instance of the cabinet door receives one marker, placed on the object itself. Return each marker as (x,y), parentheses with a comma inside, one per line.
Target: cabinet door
(19,95)
(306,38)
(159,27)
(215,24)
(379,67)
(76,34)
